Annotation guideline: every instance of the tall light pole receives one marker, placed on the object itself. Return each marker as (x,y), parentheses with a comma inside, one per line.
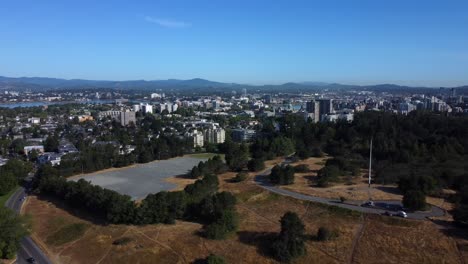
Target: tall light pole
(370,162)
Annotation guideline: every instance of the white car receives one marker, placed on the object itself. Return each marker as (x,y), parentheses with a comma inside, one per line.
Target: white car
(402,214)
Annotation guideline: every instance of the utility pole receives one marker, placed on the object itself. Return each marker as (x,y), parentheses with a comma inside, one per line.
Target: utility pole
(370,162)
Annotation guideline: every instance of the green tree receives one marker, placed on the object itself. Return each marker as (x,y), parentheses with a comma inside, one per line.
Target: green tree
(290,243)
(282,175)
(256,164)
(51,144)
(214,259)
(8,181)
(414,200)
(18,167)
(13,228)
(224,225)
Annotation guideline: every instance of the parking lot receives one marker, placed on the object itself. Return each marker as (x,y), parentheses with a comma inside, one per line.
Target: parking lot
(142,179)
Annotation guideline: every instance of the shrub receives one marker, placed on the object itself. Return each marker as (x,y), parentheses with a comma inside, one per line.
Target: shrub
(342,199)
(324,234)
(214,259)
(240,177)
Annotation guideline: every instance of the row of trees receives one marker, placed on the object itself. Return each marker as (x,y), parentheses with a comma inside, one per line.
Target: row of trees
(102,156)
(213,165)
(13,228)
(198,201)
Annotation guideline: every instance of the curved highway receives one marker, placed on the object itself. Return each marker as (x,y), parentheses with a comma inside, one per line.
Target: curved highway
(380,206)
(28,247)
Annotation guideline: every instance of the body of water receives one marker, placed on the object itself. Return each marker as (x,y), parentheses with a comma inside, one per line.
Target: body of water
(34,104)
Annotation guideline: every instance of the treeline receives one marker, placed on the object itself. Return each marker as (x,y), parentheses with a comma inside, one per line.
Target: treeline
(107,155)
(13,228)
(338,167)
(214,165)
(12,174)
(198,202)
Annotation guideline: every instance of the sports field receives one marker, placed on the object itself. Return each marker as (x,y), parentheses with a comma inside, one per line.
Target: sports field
(142,179)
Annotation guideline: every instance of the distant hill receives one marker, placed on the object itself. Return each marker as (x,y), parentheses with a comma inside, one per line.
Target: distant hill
(43,83)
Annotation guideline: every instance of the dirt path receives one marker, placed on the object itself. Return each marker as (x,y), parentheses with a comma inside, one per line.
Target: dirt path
(356,239)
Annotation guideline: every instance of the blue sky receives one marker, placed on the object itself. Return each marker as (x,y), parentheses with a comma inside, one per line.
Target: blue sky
(364,42)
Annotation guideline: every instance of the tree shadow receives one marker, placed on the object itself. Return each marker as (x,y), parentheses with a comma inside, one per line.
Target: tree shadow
(77,212)
(262,240)
(311,180)
(200,261)
(184,176)
(388,189)
(451,229)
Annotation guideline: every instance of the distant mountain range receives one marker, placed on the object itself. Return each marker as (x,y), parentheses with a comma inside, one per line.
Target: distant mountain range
(42,83)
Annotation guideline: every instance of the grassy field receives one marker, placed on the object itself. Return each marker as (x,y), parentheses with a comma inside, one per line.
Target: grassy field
(4,198)
(360,238)
(68,233)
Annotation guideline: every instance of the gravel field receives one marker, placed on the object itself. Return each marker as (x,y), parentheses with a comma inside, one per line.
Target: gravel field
(142,179)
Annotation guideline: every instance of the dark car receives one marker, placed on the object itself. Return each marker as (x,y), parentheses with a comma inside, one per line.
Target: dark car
(31,260)
(368,204)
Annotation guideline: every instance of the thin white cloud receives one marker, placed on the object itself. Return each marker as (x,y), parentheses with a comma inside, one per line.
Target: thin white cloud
(169,23)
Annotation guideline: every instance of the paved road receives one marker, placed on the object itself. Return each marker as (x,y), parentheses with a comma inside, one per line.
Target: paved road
(379,208)
(28,247)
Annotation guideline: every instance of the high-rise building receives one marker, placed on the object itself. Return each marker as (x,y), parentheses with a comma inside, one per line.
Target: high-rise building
(326,107)
(197,139)
(127,117)
(175,107)
(147,108)
(313,107)
(241,134)
(215,135)
(454,92)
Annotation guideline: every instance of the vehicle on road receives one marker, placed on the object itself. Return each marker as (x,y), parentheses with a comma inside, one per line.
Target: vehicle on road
(387,213)
(369,204)
(31,260)
(401,214)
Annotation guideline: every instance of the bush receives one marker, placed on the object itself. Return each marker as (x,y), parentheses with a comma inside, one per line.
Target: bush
(214,259)
(240,177)
(342,199)
(324,234)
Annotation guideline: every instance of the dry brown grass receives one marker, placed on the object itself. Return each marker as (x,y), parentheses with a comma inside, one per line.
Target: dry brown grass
(357,189)
(381,241)
(421,242)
